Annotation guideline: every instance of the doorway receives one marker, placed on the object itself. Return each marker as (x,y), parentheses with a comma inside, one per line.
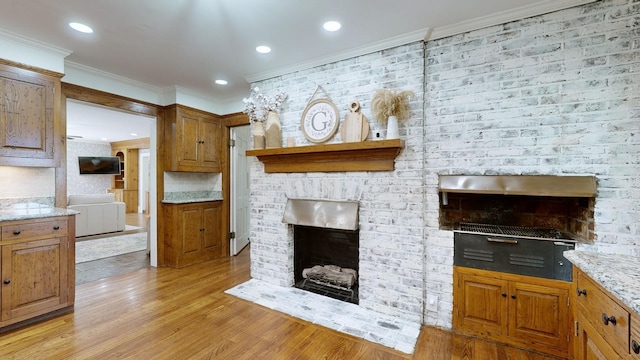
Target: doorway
(239,219)
(150,115)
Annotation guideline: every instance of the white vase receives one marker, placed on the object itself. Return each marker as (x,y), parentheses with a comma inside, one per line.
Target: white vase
(392,128)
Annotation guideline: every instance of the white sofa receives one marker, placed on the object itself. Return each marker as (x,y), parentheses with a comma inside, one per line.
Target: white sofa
(99,214)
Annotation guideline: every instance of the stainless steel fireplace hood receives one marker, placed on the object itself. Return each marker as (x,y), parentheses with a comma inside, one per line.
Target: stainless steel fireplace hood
(341,215)
(533,185)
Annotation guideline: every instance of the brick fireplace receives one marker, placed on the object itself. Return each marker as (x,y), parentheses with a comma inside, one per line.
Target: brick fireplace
(548,95)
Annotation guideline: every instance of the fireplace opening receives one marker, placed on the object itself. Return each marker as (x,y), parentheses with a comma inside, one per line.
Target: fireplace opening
(326,261)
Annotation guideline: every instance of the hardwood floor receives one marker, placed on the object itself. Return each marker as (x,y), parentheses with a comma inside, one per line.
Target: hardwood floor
(115,265)
(165,313)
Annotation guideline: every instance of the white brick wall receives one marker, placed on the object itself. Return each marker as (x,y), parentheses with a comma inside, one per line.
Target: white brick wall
(554,94)
(391,226)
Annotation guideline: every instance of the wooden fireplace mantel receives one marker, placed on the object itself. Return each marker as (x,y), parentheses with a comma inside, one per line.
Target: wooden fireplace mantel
(378,155)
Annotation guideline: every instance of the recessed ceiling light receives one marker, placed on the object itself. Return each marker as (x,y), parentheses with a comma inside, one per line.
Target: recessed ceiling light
(81,27)
(332,25)
(134,134)
(221,82)
(263,49)
(104,139)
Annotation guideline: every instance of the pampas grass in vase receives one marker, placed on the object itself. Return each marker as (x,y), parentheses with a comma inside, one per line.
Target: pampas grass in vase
(389,107)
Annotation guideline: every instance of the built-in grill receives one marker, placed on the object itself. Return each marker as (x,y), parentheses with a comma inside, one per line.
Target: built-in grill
(513,249)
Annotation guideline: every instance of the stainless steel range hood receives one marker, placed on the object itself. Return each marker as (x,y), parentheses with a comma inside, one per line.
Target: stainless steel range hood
(341,215)
(533,185)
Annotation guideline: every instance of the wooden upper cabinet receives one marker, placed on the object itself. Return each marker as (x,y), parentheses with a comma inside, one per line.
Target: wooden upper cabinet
(195,140)
(29,117)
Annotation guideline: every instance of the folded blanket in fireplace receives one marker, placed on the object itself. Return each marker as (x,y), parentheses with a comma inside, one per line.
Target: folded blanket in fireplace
(332,274)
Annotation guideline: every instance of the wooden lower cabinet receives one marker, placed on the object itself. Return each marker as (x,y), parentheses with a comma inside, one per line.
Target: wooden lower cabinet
(37,267)
(523,311)
(605,328)
(194,233)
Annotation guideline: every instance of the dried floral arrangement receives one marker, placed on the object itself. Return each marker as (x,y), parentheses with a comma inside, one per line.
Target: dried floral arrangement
(387,103)
(257,106)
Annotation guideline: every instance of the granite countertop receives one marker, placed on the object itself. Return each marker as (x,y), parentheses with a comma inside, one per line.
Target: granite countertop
(185,197)
(32,211)
(618,274)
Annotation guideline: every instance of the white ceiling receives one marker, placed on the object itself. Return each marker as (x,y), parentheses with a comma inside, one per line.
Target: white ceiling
(189,43)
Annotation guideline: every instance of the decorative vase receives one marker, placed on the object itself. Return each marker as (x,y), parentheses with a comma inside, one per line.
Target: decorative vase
(274,131)
(392,128)
(258,135)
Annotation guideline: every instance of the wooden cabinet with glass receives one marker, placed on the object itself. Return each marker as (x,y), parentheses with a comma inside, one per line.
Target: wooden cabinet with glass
(29,117)
(37,265)
(195,139)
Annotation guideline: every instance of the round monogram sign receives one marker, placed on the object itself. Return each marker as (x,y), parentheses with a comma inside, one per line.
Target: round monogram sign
(320,120)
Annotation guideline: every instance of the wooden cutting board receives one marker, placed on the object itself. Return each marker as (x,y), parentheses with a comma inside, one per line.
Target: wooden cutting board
(355,127)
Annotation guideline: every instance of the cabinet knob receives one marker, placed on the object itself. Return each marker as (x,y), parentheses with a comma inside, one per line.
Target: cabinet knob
(504,294)
(608,319)
(513,296)
(7,281)
(581,292)
(56,227)
(635,347)
(16,232)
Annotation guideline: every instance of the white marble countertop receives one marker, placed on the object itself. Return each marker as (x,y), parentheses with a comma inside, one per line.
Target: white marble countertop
(618,274)
(32,211)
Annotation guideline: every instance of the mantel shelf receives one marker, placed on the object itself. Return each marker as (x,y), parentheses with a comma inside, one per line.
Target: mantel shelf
(378,155)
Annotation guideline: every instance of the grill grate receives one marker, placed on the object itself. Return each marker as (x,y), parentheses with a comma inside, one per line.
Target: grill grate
(521,231)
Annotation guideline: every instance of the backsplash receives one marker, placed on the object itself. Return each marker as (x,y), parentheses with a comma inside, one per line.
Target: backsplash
(188,181)
(20,184)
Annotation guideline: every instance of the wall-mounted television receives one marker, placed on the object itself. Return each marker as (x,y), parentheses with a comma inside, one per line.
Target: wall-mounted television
(99,165)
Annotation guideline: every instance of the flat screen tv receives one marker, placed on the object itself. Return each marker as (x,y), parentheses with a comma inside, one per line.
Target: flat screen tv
(99,165)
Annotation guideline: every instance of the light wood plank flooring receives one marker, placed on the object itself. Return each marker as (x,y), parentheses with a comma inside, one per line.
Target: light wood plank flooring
(184,314)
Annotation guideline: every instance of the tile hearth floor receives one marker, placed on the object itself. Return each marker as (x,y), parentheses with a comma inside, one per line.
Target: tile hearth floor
(345,317)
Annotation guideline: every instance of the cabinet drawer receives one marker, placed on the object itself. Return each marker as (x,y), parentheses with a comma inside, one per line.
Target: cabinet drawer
(600,310)
(635,337)
(34,230)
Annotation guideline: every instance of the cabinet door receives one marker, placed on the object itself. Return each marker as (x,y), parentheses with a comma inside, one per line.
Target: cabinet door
(211,136)
(187,137)
(27,115)
(191,234)
(212,236)
(34,278)
(481,305)
(539,314)
(590,345)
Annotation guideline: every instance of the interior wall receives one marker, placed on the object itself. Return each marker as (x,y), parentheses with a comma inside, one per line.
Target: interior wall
(554,94)
(86,184)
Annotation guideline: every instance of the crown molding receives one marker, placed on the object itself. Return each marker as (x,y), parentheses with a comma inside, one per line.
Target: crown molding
(427,34)
(27,51)
(8,35)
(404,39)
(505,17)
(91,77)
